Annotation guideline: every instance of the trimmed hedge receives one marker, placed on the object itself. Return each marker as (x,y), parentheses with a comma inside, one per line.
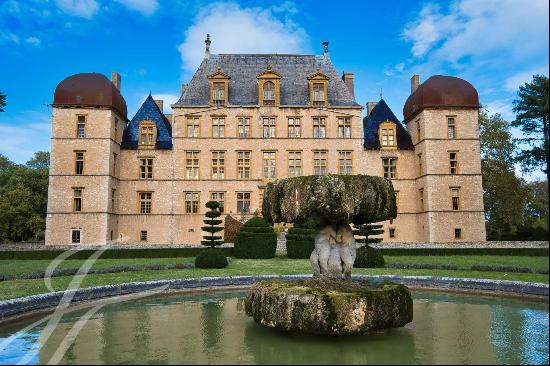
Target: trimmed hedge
(211,258)
(422,266)
(488,268)
(528,252)
(255,240)
(300,240)
(368,257)
(109,253)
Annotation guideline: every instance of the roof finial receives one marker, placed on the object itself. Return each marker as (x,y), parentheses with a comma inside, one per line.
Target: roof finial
(381,93)
(207,50)
(325,46)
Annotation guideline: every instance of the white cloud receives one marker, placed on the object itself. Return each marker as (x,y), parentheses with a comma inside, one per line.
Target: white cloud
(502,107)
(34,41)
(79,8)
(241,30)
(472,28)
(22,139)
(145,7)
(8,37)
(513,82)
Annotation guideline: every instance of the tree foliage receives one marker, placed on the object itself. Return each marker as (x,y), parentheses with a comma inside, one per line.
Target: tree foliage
(213,223)
(531,111)
(2,101)
(23,198)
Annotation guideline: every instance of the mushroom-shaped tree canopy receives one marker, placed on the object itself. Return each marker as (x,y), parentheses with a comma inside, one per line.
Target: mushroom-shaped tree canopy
(328,199)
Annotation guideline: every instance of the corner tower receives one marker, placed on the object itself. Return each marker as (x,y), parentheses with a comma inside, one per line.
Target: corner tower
(442,117)
(89,116)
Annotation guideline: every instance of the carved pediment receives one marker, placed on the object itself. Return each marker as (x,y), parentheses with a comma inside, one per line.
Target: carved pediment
(318,75)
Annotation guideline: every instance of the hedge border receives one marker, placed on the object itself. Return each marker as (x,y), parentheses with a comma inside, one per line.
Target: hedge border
(17,307)
(527,252)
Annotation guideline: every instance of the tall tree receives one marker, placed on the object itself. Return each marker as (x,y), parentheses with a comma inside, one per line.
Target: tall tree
(531,111)
(2,101)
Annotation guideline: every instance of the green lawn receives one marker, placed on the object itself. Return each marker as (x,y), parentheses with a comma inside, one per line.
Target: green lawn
(19,288)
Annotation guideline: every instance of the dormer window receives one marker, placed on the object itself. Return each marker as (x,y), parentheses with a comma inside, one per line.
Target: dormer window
(219,84)
(147,134)
(318,94)
(387,133)
(268,88)
(269,93)
(318,86)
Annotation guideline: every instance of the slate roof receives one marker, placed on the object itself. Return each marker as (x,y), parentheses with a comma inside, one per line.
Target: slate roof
(380,113)
(150,111)
(243,84)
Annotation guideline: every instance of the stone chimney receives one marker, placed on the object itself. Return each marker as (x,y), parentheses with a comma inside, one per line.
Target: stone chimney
(160,104)
(207,49)
(325,49)
(347,77)
(370,106)
(183,88)
(415,81)
(115,79)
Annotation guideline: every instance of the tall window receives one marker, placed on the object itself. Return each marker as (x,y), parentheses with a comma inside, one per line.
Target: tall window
(458,233)
(191,202)
(192,164)
(243,164)
(81,127)
(421,193)
(392,232)
(453,162)
(319,162)
(77,199)
(113,195)
(218,127)
(418,130)
(344,127)
(420,169)
(79,162)
(390,167)
(318,94)
(387,134)
(116,129)
(268,127)
(145,202)
(75,236)
(244,127)
(220,197)
(344,162)
(243,202)
(219,93)
(451,128)
(218,164)
(269,164)
(319,127)
(293,127)
(145,168)
(143,235)
(269,93)
(193,125)
(115,158)
(455,199)
(294,163)
(147,134)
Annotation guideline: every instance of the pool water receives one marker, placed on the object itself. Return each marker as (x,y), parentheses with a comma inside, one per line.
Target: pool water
(213,328)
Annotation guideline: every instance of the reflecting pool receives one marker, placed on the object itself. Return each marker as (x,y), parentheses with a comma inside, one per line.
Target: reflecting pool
(213,328)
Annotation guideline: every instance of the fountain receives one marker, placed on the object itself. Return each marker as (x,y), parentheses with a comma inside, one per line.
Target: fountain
(330,303)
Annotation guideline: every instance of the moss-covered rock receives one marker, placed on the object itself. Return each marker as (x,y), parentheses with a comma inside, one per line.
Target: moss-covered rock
(329,307)
(330,199)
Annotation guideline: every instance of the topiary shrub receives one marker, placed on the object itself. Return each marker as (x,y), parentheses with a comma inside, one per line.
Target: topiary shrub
(366,233)
(368,257)
(211,258)
(212,221)
(231,228)
(300,240)
(255,240)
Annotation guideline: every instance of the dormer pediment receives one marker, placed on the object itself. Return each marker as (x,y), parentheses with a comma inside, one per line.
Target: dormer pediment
(218,75)
(269,74)
(318,75)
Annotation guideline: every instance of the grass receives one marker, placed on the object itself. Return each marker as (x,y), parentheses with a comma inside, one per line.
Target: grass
(467,261)
(20,288)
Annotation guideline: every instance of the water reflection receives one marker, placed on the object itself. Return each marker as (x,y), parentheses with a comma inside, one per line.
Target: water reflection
(212,328)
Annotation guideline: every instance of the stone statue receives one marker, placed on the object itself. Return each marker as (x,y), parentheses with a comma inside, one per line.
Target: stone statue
(334,252)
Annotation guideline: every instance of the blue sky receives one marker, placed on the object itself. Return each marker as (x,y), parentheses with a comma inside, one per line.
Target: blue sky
(156,45)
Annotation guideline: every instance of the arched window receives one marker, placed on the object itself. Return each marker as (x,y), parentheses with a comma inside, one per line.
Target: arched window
(147,134)
(387,133)
(269,93)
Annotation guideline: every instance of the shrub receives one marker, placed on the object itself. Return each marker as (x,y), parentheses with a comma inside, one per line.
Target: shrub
(231,228)
(422,266)
(368,257)
(212,221)
(366,232)
(255,240)
(300,240)
(211,258)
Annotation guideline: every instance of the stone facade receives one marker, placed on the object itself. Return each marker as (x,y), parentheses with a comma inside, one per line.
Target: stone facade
(111,182)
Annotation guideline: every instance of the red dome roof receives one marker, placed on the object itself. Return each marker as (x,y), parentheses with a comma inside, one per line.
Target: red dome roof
(89,89)
(441,91)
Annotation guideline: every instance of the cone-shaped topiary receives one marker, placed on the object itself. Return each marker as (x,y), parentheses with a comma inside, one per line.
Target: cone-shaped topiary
(255,240)
(213,222)
(366,232)
(300,239)
(368,257)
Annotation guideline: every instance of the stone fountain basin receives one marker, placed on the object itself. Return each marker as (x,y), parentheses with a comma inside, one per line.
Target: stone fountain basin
(325,306)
